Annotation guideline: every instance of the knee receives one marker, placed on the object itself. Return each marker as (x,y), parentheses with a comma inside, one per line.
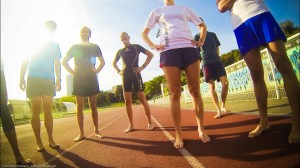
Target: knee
(225,84)
(128,101)
(195,92)
(175,95)
(257,75)
(211,87)
(284,66)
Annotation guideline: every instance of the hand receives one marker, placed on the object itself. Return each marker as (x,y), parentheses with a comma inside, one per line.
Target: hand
(138,69)
(95,70)
(197,43)
(58,85)
(121,73)
(157,47)
(22,84)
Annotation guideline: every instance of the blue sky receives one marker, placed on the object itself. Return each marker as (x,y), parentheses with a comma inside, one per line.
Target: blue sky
(20,20)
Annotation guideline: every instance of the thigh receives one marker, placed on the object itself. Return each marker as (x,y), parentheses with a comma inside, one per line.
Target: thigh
(93,101)
(127,82)
(127,96)
(254,63)
(172,75)
(278,52)
(79,102)
(138,84)
(47,101)
(224,80)
(193,75)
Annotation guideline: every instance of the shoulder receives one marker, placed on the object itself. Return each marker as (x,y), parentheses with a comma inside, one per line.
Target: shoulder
(139,47)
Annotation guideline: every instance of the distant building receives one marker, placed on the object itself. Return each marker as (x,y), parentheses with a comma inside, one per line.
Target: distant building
(69,79)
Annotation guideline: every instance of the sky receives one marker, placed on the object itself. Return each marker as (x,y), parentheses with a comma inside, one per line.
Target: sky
(22,20)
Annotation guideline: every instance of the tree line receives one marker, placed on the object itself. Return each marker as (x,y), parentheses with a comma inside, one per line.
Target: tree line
(153,87)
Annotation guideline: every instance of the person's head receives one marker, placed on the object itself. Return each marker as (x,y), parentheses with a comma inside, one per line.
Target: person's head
(125,38)
(85,33)
(168,2)
(50,25)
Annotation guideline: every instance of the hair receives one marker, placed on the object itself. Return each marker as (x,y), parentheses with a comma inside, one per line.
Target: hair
(125,33)
(85,27)
(50,26)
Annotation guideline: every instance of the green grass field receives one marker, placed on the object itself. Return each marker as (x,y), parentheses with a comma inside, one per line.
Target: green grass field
(56,114)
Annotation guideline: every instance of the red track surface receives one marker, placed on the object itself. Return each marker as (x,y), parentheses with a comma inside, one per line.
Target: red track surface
(230,146)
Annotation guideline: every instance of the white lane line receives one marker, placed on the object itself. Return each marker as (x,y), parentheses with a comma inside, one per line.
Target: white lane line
(78,143)
(185,153)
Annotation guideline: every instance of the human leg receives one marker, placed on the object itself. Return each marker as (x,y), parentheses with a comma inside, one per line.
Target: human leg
(36,106)
(291,85)
(93,106)
(254,63)
(8,125)
(193,80)
(128,102)
(48,119)
(214,97)
(145,104)
(80,117)
(174,84)
(224,93)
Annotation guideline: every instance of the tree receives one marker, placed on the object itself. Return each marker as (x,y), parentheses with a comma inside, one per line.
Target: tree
(153,88)
(230,57)
(67,99)
(289,28)
(119,93)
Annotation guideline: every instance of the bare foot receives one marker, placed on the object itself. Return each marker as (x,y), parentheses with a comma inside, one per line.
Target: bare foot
(98,135)
(295,132)
(178,143)
(224,110)
(217,116)
(21,161)
(150,127)
(54,145)
(79,138)
(204,138)
(129,129)
(258,131)
(40,147)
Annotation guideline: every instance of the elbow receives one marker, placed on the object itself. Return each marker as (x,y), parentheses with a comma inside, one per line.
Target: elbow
(222,9)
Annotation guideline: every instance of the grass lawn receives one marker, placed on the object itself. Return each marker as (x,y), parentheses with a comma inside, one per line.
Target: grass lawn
(57,114)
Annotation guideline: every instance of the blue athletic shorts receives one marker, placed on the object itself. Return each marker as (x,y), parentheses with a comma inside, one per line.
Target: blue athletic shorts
(258,31)
(213,71)
(180,57)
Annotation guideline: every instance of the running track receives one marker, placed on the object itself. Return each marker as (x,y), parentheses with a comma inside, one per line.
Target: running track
(230,146)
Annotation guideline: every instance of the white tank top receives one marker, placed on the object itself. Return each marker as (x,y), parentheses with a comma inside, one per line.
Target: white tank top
(242,10)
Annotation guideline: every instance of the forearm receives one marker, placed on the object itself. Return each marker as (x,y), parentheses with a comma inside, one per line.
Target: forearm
(225,5)
(203,30)
(146,38)
(116,67)
(149,58)
(57,70)
(24,67)
(101,65)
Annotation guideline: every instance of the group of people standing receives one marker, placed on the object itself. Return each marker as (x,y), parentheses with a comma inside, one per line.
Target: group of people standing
(253,25)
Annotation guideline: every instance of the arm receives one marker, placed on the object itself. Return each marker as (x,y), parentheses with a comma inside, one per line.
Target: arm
(101,65)
(57,68)
(148,60)
(66,65)
(224,5)
(115,64)
(24,67)
(147,40)
(203,30)
(218,50)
